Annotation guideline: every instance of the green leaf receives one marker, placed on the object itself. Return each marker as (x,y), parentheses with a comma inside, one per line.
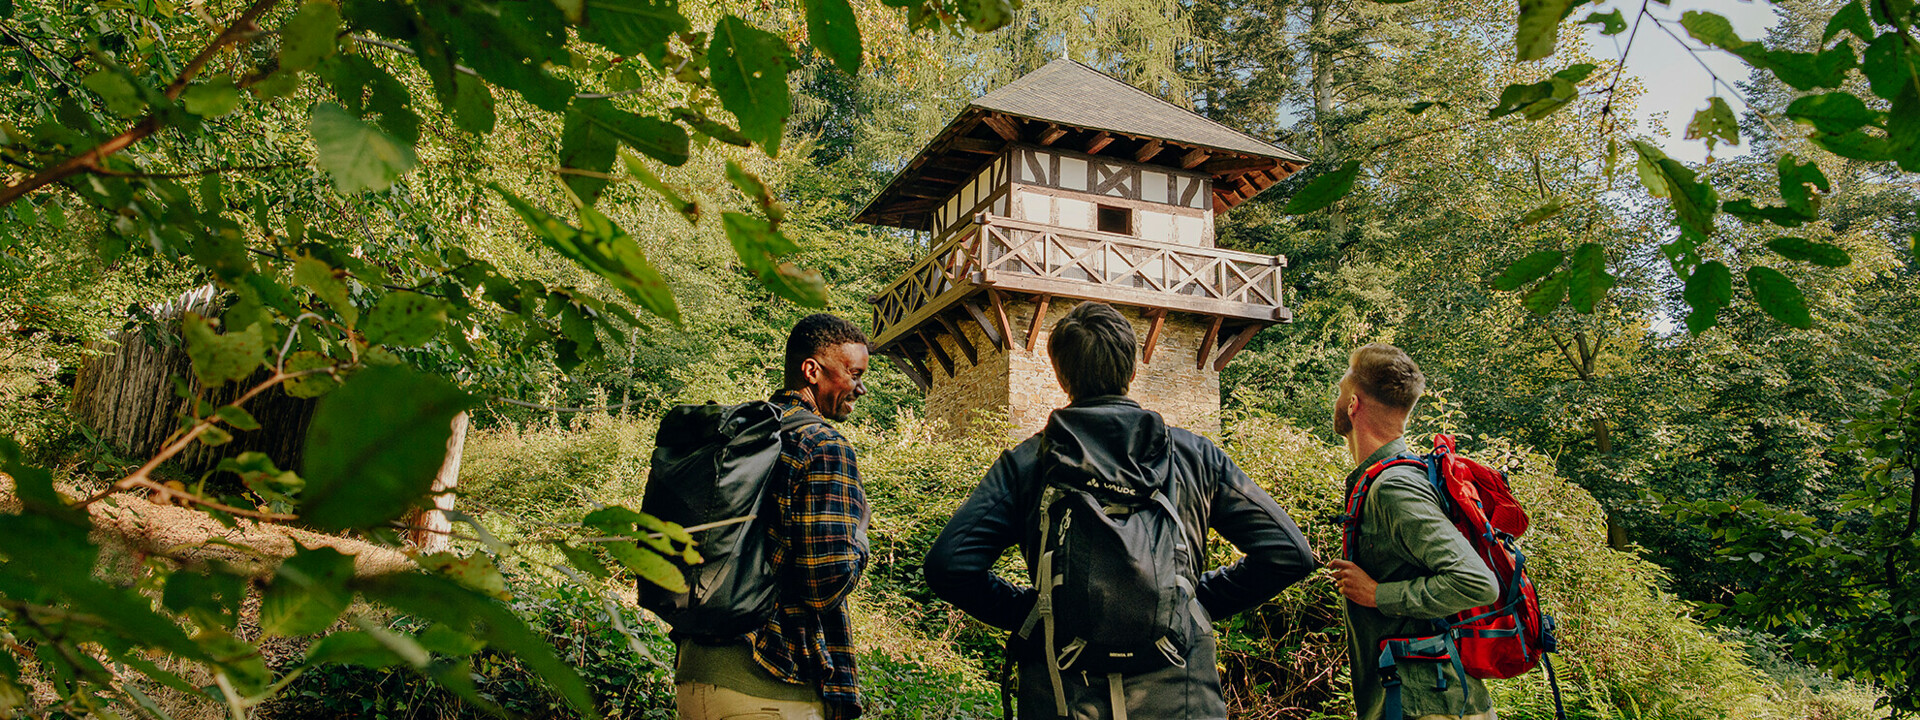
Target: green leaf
(260,475)
(1550,209)
(1806,71)
(1612,23)
(213,98)
(444,640)
(1709,289)
(649,565)
(352,648)
(219,358)
(1834,112)
(1538,28)
(1780,215)
(1851,18)
(475,571)
(444,601)
(117,92)
(711,128)
(1714,124)
(308,592)
(309,35)
(638,169)
(1712,29)
(759,246)
(1809,251)
(984,16)
(215,436)
(634,27)
(832,30)
(583,559)
(375,445)
(749,68)
(1798,183)
(1538,100)
(1856,145)
(309,386)
(602,247)
(1779,297)
(357,155)
(406,319)
(327,284)
(658,139)
(472,104)
(1324,190)
(1650,176)
(1888,64)
(1694,202)
(1588,279)
(1425,105)
(237,416)
(1528,269)
(206,597)
(1546,296)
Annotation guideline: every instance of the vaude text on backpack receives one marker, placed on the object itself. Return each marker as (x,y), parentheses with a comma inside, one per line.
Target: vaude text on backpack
(1114,574)
(711,465)
(1501,640)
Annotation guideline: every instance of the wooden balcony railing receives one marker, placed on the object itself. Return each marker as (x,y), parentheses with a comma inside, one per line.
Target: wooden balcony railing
(1038,259)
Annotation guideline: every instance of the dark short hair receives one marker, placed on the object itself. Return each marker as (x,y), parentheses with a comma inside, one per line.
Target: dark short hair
(813,332)
(1092,349)
(1386,374)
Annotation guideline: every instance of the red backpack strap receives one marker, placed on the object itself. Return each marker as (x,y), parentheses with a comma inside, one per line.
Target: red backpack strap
(1356,497)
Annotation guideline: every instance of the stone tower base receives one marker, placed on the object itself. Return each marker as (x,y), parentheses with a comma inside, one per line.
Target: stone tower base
(1018,385)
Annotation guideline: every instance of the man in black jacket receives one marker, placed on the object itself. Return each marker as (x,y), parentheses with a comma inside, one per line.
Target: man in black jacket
(1110,439)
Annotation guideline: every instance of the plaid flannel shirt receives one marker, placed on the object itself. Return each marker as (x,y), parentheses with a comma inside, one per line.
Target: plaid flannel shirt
(820,548)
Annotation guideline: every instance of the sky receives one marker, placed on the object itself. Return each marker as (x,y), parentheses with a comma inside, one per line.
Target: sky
(1676,83)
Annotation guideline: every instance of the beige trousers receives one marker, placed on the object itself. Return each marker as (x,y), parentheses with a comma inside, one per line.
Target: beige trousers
(701,701)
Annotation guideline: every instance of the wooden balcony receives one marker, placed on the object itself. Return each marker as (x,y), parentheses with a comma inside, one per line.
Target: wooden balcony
(997,255)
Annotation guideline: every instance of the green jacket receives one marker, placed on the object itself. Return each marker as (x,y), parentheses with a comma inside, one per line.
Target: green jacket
(1426,569)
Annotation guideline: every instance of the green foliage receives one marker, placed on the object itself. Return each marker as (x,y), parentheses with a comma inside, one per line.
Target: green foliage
(368,457)
(1325,190)
(1841,590)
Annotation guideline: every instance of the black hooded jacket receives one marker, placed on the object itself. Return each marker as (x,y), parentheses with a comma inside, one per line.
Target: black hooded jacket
(1113,440)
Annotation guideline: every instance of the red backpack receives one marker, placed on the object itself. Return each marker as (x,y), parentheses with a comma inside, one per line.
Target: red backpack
(1501,640)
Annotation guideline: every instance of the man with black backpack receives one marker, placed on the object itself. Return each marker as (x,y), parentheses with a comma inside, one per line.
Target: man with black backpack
(1410,566)
(762,628)
(1111,508)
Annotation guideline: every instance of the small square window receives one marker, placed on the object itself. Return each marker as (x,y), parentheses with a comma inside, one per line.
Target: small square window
(1115,220)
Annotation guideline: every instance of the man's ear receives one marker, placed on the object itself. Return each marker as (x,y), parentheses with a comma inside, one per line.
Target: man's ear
(1353,405)
(810,371)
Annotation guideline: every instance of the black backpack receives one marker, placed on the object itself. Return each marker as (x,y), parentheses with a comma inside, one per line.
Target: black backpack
(712,464)
(1115,577)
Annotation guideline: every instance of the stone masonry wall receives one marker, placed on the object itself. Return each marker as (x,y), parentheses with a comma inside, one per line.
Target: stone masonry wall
(1022,385)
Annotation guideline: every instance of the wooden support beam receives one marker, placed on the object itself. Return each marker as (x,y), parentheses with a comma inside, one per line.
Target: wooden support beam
(1206,344)
(917,364)
(1051,134)
(939,353)
(975,146)
(1099,142)
(1194,157)
(923,193)
(1159,316)
(945,173)
(1230,165)
(1234,345)
(919,380)
(1003,126)
(1148,150)
(960,338)
(986,324)
(999,312)
(1039,316)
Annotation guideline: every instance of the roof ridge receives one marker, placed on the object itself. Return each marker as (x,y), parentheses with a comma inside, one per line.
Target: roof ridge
(1130,86)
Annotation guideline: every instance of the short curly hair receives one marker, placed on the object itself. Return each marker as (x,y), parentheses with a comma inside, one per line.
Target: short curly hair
(1092,349)
(810,335)
(1386,374)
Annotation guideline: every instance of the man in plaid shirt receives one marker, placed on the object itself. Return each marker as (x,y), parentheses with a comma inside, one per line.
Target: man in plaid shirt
(799,664)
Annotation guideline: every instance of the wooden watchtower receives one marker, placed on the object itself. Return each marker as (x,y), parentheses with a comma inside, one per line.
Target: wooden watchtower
(1069,185)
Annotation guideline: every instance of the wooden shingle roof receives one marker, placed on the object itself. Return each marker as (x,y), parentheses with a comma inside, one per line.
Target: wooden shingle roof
(1072,106)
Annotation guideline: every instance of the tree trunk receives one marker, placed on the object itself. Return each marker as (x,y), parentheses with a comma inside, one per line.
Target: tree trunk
(1323,109)
(432,528)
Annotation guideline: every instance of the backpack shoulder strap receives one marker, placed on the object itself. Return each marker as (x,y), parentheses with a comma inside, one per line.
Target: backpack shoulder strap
(1356,498)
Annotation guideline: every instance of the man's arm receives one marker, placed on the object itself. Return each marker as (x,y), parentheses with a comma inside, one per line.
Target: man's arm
(1276,553)
(827,523)
(959,568)
(1456,578)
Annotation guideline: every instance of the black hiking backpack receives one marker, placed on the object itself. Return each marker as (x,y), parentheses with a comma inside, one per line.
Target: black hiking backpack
(712,466)
(1116,584)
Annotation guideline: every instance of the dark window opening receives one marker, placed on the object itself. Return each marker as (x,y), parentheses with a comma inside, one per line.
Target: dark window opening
(1114,220)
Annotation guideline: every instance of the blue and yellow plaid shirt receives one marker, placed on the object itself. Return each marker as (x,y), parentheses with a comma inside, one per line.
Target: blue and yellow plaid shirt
(820,547)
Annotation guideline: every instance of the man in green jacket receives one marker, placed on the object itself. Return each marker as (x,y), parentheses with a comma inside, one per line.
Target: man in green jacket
(1410,565)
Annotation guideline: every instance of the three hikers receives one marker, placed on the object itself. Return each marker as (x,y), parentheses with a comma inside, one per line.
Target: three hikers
(1111,509)
(1410,563)
(797,663)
